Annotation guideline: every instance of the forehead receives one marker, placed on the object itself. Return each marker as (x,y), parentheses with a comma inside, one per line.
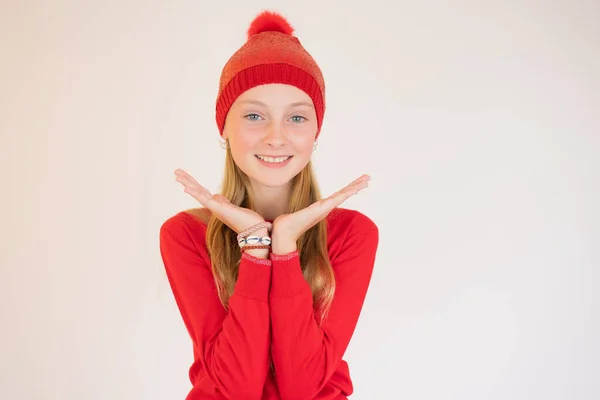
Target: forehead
(274,93)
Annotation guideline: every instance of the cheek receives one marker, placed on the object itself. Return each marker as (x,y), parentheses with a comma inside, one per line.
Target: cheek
(242,144)
(304,138)
(304,145)
(242,149)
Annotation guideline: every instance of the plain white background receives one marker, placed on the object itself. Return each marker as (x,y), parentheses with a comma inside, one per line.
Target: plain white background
(479,122)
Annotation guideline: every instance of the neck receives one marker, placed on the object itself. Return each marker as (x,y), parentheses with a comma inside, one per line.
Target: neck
(271,202)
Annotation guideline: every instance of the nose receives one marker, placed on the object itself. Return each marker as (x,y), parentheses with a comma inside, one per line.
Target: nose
(275,135)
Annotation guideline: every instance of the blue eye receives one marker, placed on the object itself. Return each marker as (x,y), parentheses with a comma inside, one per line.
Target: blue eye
(298,118)
(252,117)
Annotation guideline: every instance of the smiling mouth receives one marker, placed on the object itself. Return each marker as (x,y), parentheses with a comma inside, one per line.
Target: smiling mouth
(274,160)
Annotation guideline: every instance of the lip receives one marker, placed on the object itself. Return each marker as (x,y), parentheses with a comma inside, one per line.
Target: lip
(274,165)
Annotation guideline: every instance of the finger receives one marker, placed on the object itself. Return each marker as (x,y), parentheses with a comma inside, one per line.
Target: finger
(353,187)
(320,209)
(187,180)
(359,182)
(360,179)
(196,190)
(191,186)
(184,176)
(339,197)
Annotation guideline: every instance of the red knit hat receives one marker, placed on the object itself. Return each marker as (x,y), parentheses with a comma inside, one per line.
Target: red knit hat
(270,55)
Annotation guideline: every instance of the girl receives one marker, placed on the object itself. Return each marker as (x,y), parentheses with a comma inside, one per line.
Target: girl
(269,278)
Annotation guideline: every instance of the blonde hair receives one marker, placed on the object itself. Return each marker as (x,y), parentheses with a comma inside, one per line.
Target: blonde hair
(225,253)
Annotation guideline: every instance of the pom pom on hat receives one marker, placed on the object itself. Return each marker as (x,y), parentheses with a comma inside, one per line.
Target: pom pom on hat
(269,21)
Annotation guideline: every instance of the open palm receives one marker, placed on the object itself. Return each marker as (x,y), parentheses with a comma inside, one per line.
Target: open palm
(292,226)
(237,218)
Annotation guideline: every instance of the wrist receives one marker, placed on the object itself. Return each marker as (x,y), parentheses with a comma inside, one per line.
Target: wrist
(258,253)
(282,245)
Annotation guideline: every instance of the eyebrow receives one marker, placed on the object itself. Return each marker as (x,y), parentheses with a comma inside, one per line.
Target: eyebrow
(260,103)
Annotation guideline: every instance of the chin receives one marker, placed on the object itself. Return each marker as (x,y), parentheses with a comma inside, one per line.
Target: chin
(274,181)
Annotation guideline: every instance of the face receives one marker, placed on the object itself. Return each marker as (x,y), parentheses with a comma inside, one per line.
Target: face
(271,131)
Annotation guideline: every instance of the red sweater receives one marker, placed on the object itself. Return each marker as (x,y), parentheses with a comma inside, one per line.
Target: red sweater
(270,315)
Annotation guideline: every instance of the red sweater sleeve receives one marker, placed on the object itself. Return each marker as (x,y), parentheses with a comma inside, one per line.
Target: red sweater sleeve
(305,355)
(233,346)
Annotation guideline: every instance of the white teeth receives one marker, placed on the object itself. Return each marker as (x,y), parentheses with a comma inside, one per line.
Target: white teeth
(273,159)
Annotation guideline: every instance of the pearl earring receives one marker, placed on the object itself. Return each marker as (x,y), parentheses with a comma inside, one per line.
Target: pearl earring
(223,143)
(315,145)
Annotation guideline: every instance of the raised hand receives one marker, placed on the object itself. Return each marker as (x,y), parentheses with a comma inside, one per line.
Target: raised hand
(237,218)
(287,228)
